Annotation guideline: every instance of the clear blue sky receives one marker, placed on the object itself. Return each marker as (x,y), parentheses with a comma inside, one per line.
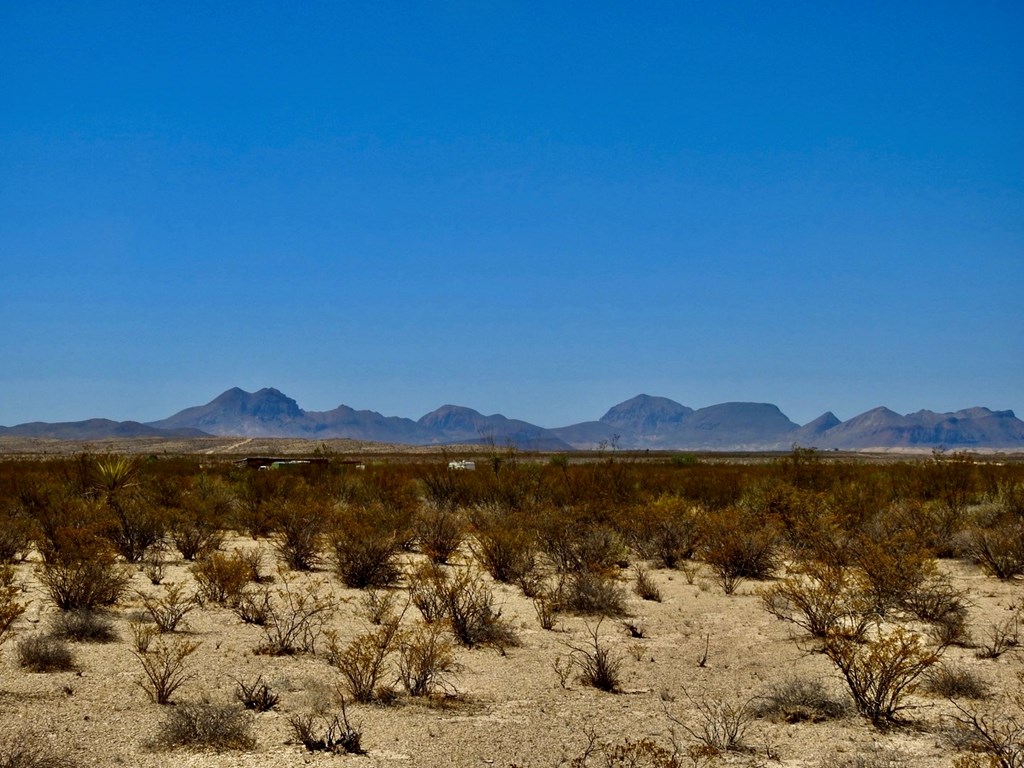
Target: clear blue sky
(538,209)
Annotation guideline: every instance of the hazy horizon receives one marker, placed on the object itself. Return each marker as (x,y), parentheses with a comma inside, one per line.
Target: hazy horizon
(526,209)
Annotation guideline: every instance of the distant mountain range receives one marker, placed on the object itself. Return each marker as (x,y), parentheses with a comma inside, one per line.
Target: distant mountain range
(642,422)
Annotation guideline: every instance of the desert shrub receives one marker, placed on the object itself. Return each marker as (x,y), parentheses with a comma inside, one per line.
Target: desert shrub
(363,663)
(472,615)
(166,668)
(716,725)
(875,756)
(465,600)
(221,578)
(440,532)
(327,733)
(83,572)
(738,545)
(426,660)
(296,617)
(83,626)
(629,753)
(1000,638)
(197,524)
(995,734)
(45,653)
(645,586)
(194,539)
(596,663)
(30,750)
(998,545)
(666,531)
(953,682)
(155,568)
(15,535)
(546,608)
(820,600)
(577,545)
(880,671)
(142,635)
(253,605)
(10,606)
(137,525)
(169,609)
(592,594)
(203,724)
(256,695)
(798,700)
(942,606)
(506,546)
(894,563)
(428,591)
(379,605)
(300,524)
(366,548)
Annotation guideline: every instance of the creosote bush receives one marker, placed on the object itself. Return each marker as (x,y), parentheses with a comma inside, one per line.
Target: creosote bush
(221,578)
(295,617)
(426,661)
(166,667)
(11,607)
(366,548)
(30,750)
(363,663)
(83,572)
(169,609)
(881,670)
(738,544)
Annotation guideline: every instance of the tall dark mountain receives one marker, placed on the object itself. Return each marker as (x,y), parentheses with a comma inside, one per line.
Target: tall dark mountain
(266,413)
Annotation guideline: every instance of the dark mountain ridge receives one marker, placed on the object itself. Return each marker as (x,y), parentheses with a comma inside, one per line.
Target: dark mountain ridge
(642,422)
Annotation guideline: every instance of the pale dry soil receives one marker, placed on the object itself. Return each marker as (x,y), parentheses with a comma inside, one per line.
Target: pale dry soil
(511,709)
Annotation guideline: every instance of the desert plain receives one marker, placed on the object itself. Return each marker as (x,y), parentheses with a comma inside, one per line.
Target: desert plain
(687,665)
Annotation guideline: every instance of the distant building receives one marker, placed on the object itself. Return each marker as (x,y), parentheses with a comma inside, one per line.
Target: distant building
(464,464)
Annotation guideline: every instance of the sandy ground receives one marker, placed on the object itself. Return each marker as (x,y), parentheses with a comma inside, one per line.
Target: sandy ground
(512,707)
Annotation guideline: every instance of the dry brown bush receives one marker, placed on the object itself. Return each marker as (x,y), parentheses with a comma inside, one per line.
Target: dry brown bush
(366,547)
(221,578)
(738,544)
